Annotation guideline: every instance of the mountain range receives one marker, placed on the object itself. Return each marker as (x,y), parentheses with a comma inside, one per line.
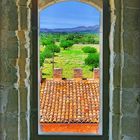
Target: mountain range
(81,29)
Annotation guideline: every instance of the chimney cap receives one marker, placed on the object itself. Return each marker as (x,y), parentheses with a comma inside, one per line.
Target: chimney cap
(96,73)
(57,73)
(78,74)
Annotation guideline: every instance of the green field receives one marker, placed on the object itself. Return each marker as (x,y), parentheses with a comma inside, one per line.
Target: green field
(69,51)
(68,60)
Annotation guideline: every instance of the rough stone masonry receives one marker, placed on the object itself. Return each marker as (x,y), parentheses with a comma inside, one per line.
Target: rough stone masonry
(16,77)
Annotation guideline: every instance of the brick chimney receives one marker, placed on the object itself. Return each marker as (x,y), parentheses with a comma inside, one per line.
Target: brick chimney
(57,74)
(78,75)
(96,73)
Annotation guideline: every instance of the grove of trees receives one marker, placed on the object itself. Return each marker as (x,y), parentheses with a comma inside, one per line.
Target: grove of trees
(49,47)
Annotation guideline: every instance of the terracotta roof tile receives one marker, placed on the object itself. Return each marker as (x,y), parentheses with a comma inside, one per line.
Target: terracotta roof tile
(69,101)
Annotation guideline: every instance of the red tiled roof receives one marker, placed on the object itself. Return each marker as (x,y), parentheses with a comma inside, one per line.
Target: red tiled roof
(69,101)
(81,128)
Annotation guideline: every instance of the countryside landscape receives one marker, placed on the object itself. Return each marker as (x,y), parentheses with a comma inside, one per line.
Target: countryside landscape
(69,52)
(69,48)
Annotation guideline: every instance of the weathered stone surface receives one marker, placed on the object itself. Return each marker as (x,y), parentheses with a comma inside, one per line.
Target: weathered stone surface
(133,4)
(23,14)
(129,105)
(115,127)
(15,53)
(132,19)
(130,126)
(44,3)
(12,16)
(116,101)
(128,138)
(22,2)
(8,71)
(10,132)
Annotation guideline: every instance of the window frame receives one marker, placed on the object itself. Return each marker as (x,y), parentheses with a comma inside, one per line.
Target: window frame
(34,80)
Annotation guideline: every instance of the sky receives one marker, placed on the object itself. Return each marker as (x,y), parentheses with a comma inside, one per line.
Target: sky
(68,15)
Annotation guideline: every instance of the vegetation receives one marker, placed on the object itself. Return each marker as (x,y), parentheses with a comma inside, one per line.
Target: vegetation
(45,40)
(89,49)
(53,48)
(77,38)
(66,44)
(92,60)
(42,58)
(49,50)
(69,51)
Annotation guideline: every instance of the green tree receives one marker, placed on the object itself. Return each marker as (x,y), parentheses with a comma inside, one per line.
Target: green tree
(46,39)
(92,60)
(66,44)
(53,48)
(48,53)
(89,49)
(50,50)
(42,58)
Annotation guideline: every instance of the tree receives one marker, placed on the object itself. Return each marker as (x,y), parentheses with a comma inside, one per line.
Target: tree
(89,49)
(48,53)
(42,58)
(53,48)
(46,39)
(50,50)
(92,60)
(66,44)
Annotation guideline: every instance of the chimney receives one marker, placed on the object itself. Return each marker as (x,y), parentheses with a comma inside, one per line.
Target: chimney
(78,74)
(96,73)
(57,74)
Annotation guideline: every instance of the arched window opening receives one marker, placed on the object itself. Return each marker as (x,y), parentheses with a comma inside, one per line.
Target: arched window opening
(69,50)
(70,64)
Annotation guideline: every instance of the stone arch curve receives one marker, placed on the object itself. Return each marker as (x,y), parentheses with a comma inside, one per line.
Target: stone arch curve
(96,3)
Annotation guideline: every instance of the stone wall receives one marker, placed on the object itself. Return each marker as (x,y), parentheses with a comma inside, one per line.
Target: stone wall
(15,69)
(125,70)
(96,3)
(15,77)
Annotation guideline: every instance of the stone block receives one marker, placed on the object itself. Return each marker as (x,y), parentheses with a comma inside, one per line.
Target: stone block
(132,4)
(23,17)
(129,138)
(12,50)
(12,15)
(131,43)
(12,100)
(116,101)
(24,128)
(116,73)
(130,126)
(8,72)
(23,98)
(11,127)
(22,2)
(115,126)
(130,79)
(129,101)
(131,19)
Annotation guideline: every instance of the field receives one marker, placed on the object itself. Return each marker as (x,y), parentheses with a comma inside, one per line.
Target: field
(68,59)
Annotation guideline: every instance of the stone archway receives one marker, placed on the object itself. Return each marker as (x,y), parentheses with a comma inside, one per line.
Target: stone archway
(96,3)
(16,74)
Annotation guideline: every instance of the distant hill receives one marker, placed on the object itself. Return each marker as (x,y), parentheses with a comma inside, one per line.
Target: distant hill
(81,29)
